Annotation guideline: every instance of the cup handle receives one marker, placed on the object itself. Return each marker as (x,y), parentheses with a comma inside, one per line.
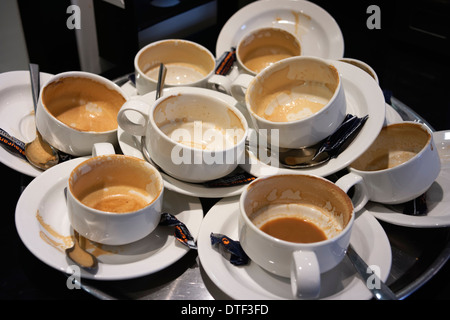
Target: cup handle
(220,83)
(240,85)
(305,275)
(133,125)
(361,195)
(102,149)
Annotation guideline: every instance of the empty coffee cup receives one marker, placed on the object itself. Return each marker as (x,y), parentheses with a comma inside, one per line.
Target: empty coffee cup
(363,66)
(187,63)
(300,97)
(263,47)
(77,110)
(296,226)
(193,136)
(257,50)
(400,165)
(114,199)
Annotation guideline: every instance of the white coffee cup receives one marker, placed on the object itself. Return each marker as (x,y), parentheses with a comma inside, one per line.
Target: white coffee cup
(297,198)
(188,64)
(114,199)
(400,165)
(193,136)
(301,97)
(257,50)
(363,66)
(78,109)
(263,47)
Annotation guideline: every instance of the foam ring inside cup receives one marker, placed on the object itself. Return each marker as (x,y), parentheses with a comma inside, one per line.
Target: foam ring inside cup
(186,62)
(395,145)
(115,184)
(199,122)
(294,90)
(83,103)
(306,198)
(262,48)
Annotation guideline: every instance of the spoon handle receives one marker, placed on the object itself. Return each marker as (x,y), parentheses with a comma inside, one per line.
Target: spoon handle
(35,86)
(381,292)
(161,80)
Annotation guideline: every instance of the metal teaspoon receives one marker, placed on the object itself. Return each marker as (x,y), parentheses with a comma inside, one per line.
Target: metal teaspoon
(299,158)
(317,154)
(381,293)
(161,80)
(159,89)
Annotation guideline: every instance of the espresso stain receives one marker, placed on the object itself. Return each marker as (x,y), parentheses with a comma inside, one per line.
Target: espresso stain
(52,237)
(61,242)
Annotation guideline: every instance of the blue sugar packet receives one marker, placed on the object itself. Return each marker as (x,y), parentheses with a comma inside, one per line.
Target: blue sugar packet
(230,249)
(181,232)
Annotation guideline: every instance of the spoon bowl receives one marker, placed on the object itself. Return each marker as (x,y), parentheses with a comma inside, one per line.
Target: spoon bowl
(303,158)
(80,256)
(324,150)
(300,158)
(39,153)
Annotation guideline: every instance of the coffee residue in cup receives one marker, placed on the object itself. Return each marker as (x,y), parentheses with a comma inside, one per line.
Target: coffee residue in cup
(328,223)
(295,103)
(115,184)
(202,135)
(261,58)
(263,47)
(294,229)
(117,199)
(178,73)
(391,160)
(83,104)
(289,106)
(293,92)
(394,145)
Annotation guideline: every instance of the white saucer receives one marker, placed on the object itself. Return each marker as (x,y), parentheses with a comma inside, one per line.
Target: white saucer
(251,282)
(151,254)
(316,29)
(131,145)
(363,96)
(17,115)
(438,196)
